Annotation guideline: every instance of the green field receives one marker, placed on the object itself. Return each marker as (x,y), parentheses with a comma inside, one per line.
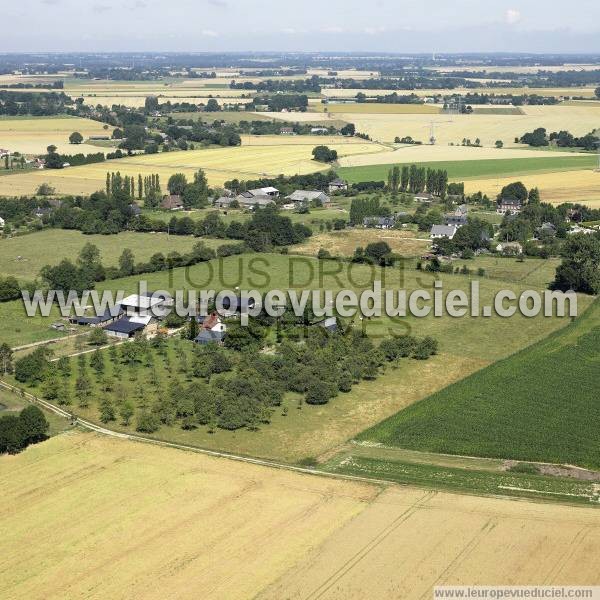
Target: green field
(24,256)
(10,404)
(467,169)
(470,481)
(540,404)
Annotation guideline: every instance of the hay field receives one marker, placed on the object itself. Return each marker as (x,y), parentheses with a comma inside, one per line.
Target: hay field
(88,516)
(583,91)
(117,519)
(380,109)
(567,186)
(262,156)
(579,120)
(32,135)
(403,154)
(409,541)
(343,243)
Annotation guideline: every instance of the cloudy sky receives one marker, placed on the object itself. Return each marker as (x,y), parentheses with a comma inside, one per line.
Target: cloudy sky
(301,25)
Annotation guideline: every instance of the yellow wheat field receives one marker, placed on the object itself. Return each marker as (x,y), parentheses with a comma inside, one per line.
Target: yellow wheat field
(427,153)
(583,91)
(579,120)
(34,134)
(568,186)
(380,109)
(260,157)
(84,516)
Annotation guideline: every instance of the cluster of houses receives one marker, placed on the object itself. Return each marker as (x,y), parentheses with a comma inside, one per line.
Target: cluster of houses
(263,197)
(452,223)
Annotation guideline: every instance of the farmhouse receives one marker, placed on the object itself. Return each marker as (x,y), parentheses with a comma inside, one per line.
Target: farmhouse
(443,231)
(510,248)
(309,196)
(424,197)
(172,202)
(223,202)
(379,222)
(213,330)
(455,219)
(2,223)
(510,206)
(337,185)
(265,191)
(287,131)
(246,200)
(126,328)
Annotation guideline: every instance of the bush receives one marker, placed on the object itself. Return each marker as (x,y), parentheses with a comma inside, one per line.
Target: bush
(148,423)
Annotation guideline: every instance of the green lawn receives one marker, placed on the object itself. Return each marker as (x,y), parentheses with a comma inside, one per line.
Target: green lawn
(11,403)
(475,169)
(540,404)
(24,256)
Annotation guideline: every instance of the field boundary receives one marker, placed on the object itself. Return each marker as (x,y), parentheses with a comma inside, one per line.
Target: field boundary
(90,426)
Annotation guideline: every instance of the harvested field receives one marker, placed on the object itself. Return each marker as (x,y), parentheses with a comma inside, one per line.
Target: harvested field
(426,153)
(381,109)
(258,156)
(166,523)
(579,120)
(32,135)
(343,243)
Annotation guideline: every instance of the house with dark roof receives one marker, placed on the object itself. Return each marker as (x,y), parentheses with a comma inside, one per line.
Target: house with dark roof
(172,202)
(443,231)
(379,222)
(125,328)
(337,185)
(109,316)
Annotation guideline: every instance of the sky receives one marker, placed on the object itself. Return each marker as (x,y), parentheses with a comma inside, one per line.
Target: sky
(403,26)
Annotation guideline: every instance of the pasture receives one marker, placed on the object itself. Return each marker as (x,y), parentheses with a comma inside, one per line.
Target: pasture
(260,156)
(247,531)
(32,135)
(24,256)
(520,408)
(380,109)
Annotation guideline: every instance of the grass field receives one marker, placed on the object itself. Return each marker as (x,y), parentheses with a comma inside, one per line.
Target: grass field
(466,345)
(522,408)
(12,404)
(343,243)
(24,256)
(472,171)
(32,135)
(260,156)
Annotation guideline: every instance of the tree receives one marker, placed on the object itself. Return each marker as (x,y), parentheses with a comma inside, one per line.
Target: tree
(348,129)
(75,138)
(148,422)
(107,410)
(324,154)
(515,190)
(97,337)
(318,392)
(83,388)
(212,106)
(597,92)
(89,264)
(6,359)
(176,184)
(12,434)
(580,268)
(32,367)
(126,412)
(126,263)
(35,425)
(45,189)
(499,144)
(97,362)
